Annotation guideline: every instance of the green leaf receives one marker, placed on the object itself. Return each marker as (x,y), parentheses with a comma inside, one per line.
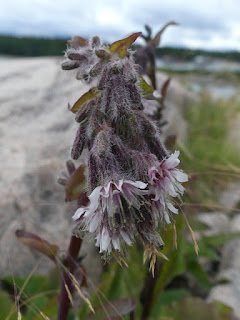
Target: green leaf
(35,306)
(121,46)
(121,282)
(35,242)
(36,284)
(113,309)
(200,275)
(76,184)
(168,297)
(176,264)
(206,251)
(147,90)
(50,309)
(92,93)
(170,269)
(219,239)
(6,306)
(36,295)
(191,307)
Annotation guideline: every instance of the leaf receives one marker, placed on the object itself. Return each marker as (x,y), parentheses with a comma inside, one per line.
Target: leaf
(167,297)
(34,295)
(200,275)
(119,282)
(113,309)
(164,91)
(156,39)
(6,305)
(186,308)
(35,242)
(176,264)
(50,309)
(77,42)
(76,184)
(121,46)
(219,239)
(36,305)
(93,92)
(170,269)
(147,90)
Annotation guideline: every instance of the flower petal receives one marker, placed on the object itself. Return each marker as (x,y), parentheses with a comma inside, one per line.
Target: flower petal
(172,161)
(126,237)
(179,175)
(105,241)
(172,208)
(137,184)
(94,198)
(116,243)
(79,213)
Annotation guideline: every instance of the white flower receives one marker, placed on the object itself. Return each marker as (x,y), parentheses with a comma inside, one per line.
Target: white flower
(105,203)
(164,183)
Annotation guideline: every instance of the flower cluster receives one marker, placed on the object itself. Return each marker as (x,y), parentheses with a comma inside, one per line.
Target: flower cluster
(131,179)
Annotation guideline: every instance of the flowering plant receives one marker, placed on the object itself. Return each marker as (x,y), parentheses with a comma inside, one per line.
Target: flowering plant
(131,179)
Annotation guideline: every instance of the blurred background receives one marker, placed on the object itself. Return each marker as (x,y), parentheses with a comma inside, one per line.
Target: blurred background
(201,55)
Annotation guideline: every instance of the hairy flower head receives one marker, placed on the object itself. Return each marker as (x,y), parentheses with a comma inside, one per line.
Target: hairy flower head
(131,179)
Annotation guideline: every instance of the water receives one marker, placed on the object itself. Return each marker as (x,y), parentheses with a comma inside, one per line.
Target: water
(198,64)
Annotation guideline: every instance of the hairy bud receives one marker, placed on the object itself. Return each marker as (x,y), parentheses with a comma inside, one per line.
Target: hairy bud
(79,143)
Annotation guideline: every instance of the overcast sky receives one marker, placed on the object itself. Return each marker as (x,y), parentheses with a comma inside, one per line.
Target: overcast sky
(208,24)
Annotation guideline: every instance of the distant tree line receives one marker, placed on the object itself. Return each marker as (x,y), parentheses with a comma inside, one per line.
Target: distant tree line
(189,54)
(32,47)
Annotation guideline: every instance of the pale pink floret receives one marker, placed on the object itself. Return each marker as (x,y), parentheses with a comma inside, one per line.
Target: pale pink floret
(107,199)
(106,242)
(164,183)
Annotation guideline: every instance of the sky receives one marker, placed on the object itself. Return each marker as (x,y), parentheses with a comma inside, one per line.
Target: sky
(206,24)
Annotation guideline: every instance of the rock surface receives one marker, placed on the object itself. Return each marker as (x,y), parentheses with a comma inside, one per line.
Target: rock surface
(228,291)
(35,137)
(177,100)
(234,132)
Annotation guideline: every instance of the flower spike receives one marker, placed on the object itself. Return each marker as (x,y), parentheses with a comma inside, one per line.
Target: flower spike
(132,181)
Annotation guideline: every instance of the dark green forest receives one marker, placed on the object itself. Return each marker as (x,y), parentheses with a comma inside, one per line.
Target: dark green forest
(32,47)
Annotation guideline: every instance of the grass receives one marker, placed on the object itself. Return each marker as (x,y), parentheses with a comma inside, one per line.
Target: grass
(208,155)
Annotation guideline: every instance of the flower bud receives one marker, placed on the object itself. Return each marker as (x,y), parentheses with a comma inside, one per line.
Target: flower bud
(95,42)
(79,143)
(69,65)
(73,54)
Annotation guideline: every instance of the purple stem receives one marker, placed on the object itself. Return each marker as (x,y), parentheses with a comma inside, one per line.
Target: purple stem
(70,262)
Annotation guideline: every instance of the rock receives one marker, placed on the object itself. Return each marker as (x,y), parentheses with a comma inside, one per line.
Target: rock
(176,124)
(36,133)
(235,224)
(230,197)
(228,289)
(178,99)
(234,131)
(177,95)
(229,293)
(217,222)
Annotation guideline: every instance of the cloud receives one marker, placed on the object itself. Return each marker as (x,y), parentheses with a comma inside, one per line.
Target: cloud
(208,24)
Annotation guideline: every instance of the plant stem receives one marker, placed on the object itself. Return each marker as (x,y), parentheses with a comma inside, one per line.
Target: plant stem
(147,292)
(70,261)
